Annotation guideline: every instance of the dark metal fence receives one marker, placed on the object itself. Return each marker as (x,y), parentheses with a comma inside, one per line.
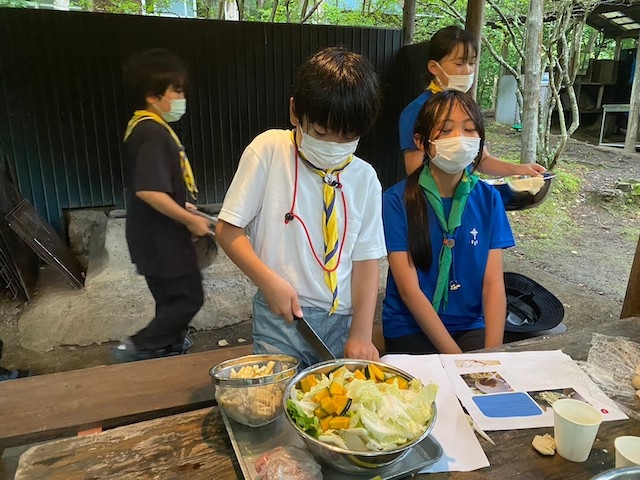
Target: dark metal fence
(63,106)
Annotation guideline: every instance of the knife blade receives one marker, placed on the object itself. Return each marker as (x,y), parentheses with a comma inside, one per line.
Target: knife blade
(313,339)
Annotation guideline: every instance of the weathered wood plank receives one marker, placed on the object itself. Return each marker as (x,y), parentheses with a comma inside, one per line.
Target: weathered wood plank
(60,404)
(192,445)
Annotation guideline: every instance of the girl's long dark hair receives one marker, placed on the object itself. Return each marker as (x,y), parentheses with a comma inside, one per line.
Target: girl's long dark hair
(428,126)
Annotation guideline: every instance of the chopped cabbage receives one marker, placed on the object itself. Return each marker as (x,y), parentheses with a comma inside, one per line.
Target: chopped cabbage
(382,415)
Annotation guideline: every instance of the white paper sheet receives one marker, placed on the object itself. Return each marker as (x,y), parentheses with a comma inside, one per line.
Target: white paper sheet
(462,450)
(513,390)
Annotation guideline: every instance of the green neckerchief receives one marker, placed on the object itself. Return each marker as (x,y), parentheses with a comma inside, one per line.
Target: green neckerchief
(449,227)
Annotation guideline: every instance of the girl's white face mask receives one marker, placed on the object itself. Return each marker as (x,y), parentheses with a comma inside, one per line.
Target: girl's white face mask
(454,154)
(462,83)
(323,154)
(177,110)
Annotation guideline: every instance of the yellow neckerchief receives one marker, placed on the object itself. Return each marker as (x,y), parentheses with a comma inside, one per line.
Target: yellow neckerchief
(434,87)
(332,244)
(187,173)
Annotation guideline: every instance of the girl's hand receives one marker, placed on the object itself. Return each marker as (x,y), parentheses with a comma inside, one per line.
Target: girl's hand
(531,169)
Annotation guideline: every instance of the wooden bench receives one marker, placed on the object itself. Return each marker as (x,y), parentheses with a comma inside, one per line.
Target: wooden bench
(61,404)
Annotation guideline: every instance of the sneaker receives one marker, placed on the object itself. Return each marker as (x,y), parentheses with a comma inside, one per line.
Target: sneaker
(13,374)
(128,352)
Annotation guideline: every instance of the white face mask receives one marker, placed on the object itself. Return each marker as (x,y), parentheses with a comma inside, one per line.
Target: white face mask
(462,83)
(454,154)
(177,110)
(326,155)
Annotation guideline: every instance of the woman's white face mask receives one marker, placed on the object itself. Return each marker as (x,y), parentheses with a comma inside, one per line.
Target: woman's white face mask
(454,154)
(324,154)
(462,83)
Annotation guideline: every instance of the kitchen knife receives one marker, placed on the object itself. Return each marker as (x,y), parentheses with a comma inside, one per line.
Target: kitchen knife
(313,339)
(213,220)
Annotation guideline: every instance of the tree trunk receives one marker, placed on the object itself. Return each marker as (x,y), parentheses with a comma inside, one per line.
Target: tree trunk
(274,10)
(634,108)
(531,92)
(474,24)
(408,21)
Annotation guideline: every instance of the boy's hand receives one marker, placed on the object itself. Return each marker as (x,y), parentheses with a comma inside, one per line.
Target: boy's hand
(361,349)
(282,298)
(198,226)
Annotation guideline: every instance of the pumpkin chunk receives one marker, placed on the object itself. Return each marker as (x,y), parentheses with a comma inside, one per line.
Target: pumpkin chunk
(339,422)
(342,404)
(307,383)
(324,423)
(324,393)
(328,405)
(402,382)
(359,375)
(336,389)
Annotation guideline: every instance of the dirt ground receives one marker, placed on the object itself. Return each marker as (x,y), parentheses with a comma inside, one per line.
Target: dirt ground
(579,246)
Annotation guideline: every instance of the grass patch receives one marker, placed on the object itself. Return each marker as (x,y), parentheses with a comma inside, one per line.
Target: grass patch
(630,233)
(545,227)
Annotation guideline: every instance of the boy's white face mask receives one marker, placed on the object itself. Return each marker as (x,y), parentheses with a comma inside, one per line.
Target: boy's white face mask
(177,110)
(324,154)
(462,83)
(454,154)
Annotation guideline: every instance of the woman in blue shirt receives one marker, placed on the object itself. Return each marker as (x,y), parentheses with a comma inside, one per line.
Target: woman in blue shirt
(445,232)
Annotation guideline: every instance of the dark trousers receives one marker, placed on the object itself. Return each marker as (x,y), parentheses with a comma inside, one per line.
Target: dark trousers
(178,299)
(419,343)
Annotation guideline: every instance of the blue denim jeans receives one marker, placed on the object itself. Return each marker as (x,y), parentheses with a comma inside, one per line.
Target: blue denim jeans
(273,334)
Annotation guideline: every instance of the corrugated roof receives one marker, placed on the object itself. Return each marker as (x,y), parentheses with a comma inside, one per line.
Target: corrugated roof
(617,19)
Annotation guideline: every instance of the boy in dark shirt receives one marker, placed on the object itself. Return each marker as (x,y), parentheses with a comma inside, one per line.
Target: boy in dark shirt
(159,226)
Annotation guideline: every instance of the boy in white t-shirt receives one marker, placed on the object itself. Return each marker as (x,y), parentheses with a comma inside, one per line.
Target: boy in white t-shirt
(302,216)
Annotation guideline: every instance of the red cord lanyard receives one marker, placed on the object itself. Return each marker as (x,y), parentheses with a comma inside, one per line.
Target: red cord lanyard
(290,215)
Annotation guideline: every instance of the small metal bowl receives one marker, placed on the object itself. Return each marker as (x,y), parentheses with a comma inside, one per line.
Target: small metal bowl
(352,461)
(627,473)
(521,200)
(254,401)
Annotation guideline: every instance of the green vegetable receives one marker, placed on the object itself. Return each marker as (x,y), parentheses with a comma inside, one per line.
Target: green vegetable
(311,425)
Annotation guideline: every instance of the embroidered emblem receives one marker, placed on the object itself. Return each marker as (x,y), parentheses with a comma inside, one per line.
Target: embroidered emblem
(474,237)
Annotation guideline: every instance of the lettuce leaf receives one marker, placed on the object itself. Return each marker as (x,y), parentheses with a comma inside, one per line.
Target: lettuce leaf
(311,425)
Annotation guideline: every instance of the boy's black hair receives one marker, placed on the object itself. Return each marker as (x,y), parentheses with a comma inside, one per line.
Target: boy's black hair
(338,90)
(428,126)
(151,72)
(445,40)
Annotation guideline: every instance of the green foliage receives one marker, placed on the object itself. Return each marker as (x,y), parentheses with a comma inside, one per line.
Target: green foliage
(14,3)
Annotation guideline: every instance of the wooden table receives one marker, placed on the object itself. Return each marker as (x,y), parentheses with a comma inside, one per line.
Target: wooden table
(195,445)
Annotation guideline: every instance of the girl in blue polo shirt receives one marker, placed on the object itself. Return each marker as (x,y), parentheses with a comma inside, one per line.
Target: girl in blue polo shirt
(445,231)
(451,65)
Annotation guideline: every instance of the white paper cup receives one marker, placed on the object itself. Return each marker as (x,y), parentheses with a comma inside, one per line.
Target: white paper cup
(575,426)
(627,451)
